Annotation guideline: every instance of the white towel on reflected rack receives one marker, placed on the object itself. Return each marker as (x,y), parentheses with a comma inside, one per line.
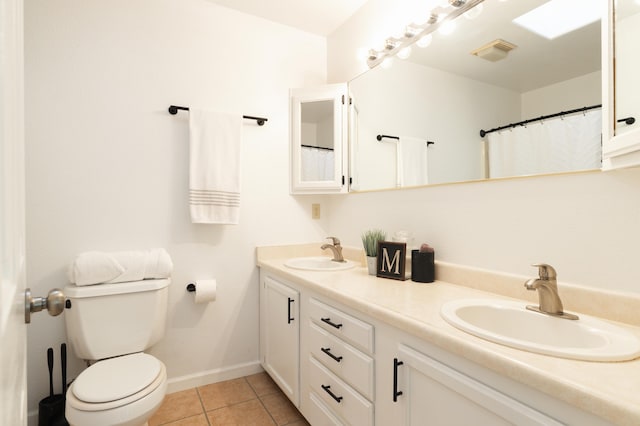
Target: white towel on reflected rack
(214,174)
(412,161)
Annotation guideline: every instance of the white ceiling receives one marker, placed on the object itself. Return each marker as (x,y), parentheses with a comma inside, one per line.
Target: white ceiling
(320,17)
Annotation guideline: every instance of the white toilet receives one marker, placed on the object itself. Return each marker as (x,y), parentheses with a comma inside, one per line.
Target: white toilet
(113,324)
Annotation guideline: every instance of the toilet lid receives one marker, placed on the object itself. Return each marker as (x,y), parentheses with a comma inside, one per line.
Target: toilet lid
(116,378)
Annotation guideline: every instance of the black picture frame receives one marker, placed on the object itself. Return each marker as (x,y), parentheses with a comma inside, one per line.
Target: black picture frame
(392,260)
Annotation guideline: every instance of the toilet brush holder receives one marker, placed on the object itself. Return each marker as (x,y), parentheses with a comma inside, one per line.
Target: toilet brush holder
(51,408)
(51,411)
(423,268)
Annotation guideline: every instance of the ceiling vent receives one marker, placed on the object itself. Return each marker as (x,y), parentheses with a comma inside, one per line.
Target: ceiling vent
(494,51)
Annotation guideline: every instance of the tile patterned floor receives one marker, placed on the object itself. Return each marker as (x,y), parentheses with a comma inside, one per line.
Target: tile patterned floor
(252,400)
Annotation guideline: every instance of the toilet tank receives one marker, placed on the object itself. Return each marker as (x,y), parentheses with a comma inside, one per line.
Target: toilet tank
(106,320)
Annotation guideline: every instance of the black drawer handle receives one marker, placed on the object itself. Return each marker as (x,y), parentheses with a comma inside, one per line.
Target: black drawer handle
(396,392)
(328,352)
(289,319)
(328,321)
(327,389)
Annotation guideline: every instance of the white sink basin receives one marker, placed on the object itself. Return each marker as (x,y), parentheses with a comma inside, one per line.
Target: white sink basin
(511,324)
(319,263)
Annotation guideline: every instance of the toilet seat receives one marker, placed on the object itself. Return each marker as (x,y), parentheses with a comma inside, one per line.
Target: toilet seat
(116,382)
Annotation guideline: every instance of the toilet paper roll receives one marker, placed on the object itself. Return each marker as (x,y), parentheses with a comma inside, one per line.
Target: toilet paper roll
(205,291)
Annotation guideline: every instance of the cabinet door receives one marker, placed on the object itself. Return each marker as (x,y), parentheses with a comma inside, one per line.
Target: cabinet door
(319,140)
(430,392)
(279,334)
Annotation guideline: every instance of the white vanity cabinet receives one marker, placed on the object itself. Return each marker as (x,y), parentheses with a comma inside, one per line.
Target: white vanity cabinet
(345,367)
(280,333)
(319,140)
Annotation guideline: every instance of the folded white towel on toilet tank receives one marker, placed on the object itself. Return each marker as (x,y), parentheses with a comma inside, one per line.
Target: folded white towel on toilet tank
(94,267)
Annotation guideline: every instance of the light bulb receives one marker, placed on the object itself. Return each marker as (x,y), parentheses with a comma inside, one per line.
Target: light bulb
(411,32)
(424,41)
(387,62)
(390,44)
(404,53)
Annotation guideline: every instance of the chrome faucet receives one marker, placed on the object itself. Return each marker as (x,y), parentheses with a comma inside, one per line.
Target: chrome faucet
(547,287)
(336,248)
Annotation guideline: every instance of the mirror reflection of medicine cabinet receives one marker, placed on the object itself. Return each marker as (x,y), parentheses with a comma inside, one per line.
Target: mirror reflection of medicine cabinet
(319,140)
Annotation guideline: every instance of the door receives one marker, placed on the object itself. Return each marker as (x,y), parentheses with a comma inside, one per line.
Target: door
(279,334)
(430,392)
(13,387)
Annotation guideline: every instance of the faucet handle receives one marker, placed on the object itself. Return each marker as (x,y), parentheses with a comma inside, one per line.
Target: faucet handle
(546,272)
(335,240)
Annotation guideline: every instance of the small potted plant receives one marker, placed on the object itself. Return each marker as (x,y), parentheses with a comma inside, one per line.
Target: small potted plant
(370,240)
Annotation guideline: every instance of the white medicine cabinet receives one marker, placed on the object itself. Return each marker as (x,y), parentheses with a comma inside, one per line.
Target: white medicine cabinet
(620,32)
(319,140)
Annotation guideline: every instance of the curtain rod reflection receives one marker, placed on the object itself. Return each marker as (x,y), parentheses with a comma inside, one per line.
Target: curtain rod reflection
(316,147)
(380,137)
(483,133)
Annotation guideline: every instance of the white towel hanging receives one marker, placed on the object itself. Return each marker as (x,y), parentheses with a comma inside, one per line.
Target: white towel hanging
(214,173)
(412,162)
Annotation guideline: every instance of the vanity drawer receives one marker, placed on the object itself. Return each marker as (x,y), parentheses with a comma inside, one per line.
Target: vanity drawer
(320,414)
(348,363)
(341,398)
(347,327)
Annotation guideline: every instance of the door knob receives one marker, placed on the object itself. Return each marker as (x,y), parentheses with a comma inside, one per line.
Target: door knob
(54,303)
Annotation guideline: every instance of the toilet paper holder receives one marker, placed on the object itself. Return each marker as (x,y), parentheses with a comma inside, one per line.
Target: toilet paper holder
(203,291)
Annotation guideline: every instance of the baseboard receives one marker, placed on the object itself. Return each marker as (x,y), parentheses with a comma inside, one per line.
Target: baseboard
(202,378)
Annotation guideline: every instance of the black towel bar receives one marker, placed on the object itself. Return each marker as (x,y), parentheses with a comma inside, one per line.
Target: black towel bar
(173,110)
(379,138)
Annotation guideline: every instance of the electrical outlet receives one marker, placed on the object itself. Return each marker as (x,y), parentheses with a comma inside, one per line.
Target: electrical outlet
(315,211)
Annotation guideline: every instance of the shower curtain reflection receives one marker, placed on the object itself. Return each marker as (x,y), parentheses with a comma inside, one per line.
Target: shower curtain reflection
(317,164)
(561,144)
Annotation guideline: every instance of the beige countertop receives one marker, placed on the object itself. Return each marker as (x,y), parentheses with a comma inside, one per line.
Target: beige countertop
(610,390)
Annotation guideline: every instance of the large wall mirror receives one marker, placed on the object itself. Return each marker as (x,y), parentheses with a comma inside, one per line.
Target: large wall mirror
(429,109)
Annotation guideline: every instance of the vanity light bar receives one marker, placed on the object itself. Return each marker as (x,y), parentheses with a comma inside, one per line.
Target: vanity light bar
(414,32)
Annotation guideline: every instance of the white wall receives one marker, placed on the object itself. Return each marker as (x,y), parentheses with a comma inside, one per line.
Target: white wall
(586,225)
(107,165)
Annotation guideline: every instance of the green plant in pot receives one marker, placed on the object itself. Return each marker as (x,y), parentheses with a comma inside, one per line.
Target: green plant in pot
(370,241)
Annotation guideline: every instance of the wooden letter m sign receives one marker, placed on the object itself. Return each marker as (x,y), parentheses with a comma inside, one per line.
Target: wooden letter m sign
(392,258)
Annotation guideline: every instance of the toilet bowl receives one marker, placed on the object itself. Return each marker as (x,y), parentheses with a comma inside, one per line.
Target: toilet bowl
(121,391)
(111,325)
